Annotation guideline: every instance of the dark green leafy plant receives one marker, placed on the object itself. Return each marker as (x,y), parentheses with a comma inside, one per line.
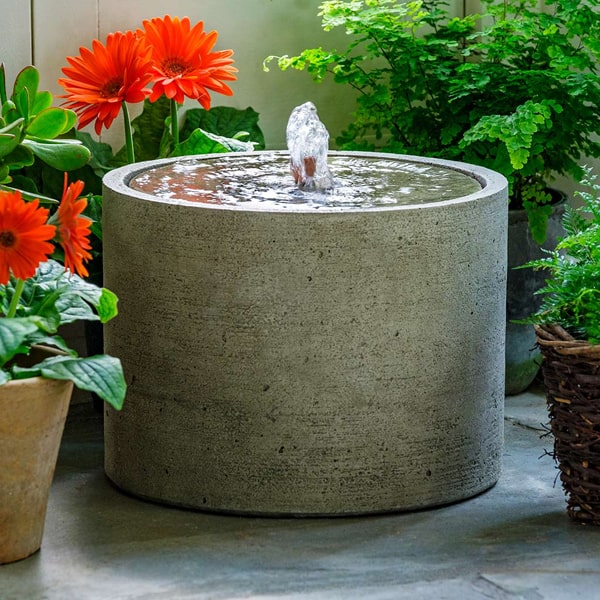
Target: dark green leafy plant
(513,88)
(30,128)
(33,310)
(572,290)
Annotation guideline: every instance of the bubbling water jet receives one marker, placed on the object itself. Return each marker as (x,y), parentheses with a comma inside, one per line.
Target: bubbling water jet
(308,141)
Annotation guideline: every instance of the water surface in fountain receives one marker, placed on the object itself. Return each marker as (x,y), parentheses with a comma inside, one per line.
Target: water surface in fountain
(261,181)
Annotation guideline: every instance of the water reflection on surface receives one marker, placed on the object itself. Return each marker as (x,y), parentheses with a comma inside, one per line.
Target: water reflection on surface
(262,181)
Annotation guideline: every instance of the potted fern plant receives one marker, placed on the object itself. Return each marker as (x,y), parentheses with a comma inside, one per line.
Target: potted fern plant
(514,89)
(568,332)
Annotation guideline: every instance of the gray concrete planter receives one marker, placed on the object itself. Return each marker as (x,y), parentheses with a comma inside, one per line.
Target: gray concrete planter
(307,363)
(523,357)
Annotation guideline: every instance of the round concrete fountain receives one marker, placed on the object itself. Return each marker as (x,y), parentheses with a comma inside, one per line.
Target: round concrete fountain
(306,356)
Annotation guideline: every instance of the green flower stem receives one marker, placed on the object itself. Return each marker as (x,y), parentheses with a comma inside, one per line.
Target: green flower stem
(12,309)
(174,122)
(128,135)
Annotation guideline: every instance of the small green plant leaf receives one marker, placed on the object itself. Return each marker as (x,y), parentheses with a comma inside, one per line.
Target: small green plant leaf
(102,375)
(3,96)
(59,297)
(15,127)
(537,215)
(8,143)
(64,155)
(74,308)
(49,123)
(14,336)
(224,121)
(20,157)
(27,81)
(43,100)
(71,120)
(203,142)
(107,305)
(22,103)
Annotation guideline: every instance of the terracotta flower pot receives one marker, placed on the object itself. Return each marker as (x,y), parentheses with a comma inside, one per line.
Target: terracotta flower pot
(33,417)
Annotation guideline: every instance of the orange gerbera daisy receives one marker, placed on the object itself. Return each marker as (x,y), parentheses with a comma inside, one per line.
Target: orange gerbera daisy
(102,78)
(184,63)
(72,229)
(24,236)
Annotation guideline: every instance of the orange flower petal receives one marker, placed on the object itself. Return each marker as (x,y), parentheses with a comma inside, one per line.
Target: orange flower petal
(73,230)
(99,80)
(24,236)
(184,63)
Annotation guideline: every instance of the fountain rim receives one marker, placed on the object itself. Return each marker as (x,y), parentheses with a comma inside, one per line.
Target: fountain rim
(491,182)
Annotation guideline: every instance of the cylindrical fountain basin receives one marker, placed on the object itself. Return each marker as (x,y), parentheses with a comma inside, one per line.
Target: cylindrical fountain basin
(307,360)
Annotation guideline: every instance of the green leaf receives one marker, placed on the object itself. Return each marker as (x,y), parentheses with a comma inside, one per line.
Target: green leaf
(102,375)
(3,96)
(20,157)
(25,184)
(9,111)
(202,142)
(107,305)
(26,81)
(48,124)
(74,308)
(42,101)
(56,341)
(15,127)
(102,158)
(27,193)
(538,220)
(71,120)
(64,155)
(22,103)
(8,143)
(93,212)
(224,121)
(14,335)
(69,293)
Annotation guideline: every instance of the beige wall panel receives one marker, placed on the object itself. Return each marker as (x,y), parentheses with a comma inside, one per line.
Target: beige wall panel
(15,41)
(60,27)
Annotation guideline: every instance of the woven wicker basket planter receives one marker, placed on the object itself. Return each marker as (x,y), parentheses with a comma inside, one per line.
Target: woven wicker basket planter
(571,370)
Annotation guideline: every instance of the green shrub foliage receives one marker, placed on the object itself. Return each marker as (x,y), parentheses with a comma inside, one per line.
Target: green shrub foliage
(572,290)
(514,88)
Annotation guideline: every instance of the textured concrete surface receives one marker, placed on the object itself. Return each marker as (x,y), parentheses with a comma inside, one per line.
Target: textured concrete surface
(522,355)
(513,542)
(307,362)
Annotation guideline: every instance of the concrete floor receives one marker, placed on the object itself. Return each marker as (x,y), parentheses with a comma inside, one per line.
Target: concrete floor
(512,542)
